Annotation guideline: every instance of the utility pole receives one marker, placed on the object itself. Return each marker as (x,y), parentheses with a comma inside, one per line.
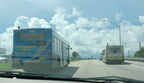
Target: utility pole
(139,45)
(119,34)
(119,30)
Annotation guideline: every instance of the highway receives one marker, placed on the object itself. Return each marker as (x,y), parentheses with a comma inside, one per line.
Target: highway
(96,68)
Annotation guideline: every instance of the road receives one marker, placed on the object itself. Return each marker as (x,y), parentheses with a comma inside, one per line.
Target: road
(96,68)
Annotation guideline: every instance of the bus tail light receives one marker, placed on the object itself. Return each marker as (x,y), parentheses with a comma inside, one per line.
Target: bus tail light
(106,56)
(122,55)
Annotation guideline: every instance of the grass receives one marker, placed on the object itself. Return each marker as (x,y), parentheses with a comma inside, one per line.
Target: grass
(5,66)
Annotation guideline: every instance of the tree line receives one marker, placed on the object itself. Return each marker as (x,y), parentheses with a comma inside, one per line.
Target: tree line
(140,53)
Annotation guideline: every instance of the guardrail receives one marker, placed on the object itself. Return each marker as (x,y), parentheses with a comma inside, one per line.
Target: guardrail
(135,59)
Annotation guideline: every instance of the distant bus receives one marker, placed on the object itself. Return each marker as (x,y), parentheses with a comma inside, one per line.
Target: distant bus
(39,49)
(113,54)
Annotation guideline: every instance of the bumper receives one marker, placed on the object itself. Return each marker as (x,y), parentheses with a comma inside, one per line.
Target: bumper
(33,66)
(119,61)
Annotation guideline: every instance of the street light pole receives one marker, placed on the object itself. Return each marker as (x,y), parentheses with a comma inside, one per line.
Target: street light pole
(119,34)
(119,30)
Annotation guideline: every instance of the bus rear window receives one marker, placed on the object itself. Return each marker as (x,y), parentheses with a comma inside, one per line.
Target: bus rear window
(32,36)
(114,50)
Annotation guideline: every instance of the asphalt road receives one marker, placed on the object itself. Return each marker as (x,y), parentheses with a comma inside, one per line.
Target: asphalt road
(96,68)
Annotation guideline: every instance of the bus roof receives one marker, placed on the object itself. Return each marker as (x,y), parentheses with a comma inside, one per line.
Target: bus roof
(53,32)
(59,37)
(114,45)
(31,28)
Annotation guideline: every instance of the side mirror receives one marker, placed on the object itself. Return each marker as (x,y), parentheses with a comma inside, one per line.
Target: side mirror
(69,48)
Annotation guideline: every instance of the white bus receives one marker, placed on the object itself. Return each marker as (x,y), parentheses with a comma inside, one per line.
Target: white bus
(113,54)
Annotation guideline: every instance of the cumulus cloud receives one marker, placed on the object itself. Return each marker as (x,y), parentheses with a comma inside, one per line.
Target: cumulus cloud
(80,38)
(6,38)
(118,16)
(98,23)
(84,35)
(59,21)
(75,13)
(141,18)
(81,34)
(60,10)
(82,22)
(22,21)
(38,23)
(33,22)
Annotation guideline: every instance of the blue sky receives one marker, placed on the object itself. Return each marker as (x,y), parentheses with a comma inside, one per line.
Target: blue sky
(10,10)
(73,19)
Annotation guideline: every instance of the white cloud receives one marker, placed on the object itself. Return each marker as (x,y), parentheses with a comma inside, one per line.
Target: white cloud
(59,21)
(83,34)
(22,21)
(25,22)
(60,10)
(141,18)
(93,23)
(38,23)
(82,22)
(131,36)
(93,40)
(98,23)
(75,12)
(118,16)
(82,38)
(6,39)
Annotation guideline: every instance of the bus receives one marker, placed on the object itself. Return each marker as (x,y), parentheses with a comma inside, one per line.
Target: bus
(113,54)
(39,49)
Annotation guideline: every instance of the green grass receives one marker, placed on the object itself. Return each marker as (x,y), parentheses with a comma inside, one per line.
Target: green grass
(5,66)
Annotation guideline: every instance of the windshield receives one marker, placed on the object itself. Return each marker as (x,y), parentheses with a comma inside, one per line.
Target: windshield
(73,38)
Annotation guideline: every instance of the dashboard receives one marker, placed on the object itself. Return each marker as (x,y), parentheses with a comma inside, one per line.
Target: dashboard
(19,80)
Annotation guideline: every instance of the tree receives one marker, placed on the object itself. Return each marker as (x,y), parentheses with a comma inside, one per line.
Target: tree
(139,53)
(75,54)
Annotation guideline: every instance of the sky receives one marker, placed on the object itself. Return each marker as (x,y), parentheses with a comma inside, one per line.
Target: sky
(77,21)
